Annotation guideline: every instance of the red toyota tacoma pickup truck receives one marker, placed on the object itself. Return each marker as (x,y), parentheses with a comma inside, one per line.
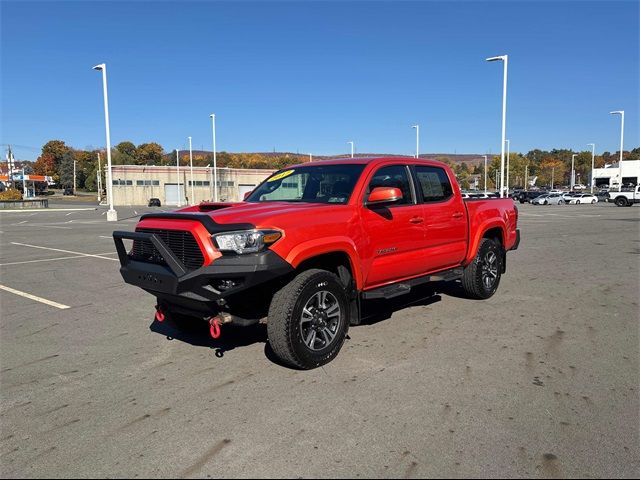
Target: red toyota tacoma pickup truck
(313,241)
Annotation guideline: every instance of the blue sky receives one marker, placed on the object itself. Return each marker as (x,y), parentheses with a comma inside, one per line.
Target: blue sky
(310,76)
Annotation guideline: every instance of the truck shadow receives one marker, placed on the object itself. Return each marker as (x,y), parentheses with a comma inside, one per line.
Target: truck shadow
(196,332)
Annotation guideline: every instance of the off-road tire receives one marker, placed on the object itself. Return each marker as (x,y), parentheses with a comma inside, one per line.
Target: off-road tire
(473,276)
(285,312)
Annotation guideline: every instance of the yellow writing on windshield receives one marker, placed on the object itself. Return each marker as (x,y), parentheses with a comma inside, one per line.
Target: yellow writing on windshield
(281,175)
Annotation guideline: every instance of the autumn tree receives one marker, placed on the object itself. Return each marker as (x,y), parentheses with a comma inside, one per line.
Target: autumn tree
(150,154)
(45,165)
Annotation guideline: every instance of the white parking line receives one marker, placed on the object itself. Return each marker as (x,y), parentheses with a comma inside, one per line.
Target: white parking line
(33,297)
(65,251)
(52,259)
(41,225)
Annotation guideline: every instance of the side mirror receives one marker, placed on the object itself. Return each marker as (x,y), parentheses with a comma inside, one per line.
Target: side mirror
(382,195)
(246,195)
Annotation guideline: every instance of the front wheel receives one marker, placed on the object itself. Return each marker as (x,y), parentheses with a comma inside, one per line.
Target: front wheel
(309,319)
(546,203)
(561,202)
(577,202)
(481,277)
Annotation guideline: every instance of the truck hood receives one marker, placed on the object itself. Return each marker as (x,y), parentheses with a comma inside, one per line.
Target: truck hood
(265,214)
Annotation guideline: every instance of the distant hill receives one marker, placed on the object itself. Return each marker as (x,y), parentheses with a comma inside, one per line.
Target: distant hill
(468,158)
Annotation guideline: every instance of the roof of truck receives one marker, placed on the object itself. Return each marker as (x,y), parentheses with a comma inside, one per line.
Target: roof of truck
(366,160)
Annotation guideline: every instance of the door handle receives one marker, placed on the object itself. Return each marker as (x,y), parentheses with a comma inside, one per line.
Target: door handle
(458,215)
(417,220)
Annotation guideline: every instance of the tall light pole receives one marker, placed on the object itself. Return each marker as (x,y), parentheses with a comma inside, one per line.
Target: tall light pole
(215,164)
(593,163)
(526,179)
(485,173)
(310,158)
(508,154)
(74,177)
(351,149)
(99,181)
(573,172)
(112,215)
(621,113)
(505,60)
(178,172)
(191,167)
(553,171)
(417,127)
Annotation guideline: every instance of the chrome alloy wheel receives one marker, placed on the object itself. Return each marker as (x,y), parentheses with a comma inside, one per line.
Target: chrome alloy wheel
(320,320)
(489,270)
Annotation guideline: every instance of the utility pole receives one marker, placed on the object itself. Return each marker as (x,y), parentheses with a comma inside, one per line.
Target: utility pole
(10,168)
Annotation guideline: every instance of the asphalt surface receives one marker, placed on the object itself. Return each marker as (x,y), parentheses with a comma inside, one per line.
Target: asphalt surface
(542,380)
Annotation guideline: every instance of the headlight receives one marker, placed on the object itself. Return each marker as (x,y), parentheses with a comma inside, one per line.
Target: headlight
(246,241)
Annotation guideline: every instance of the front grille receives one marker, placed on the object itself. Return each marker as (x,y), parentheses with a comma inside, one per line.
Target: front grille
(182,244)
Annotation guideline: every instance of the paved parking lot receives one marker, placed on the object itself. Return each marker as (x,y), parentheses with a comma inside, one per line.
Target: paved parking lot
(541,380)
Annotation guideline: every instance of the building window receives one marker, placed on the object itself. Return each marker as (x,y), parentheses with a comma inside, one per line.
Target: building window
(225,184)
(147,183)
(200,183)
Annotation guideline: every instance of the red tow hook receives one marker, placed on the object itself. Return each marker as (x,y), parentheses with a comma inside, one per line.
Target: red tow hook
(159,314)
(214,328)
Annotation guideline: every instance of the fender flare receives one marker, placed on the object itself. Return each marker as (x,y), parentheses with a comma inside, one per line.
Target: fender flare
(321,246)
(474,243)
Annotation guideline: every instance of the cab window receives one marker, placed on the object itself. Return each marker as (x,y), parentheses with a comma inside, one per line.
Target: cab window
(393,176)
(434,183)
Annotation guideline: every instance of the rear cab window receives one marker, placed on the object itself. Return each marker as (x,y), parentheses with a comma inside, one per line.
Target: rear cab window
(434,183)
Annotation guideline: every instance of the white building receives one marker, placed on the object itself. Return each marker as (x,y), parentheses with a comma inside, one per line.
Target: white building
(610,175)
(136,184)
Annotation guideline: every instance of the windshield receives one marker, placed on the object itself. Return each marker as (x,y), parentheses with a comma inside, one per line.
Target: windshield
(311,184)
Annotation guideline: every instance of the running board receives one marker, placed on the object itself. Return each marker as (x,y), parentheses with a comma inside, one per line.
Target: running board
(398,289)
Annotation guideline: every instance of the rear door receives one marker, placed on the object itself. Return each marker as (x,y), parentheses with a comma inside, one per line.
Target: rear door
(445,216)
(396,231)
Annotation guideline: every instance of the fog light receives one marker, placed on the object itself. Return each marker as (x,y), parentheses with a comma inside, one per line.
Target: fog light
(226,285)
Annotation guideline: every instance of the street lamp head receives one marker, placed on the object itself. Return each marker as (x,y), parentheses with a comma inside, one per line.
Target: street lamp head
(617,112)
(415,126)
(495,59)
(99,67)
(213,115)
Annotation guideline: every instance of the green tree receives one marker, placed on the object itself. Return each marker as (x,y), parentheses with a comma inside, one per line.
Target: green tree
(127,148)
(66,169)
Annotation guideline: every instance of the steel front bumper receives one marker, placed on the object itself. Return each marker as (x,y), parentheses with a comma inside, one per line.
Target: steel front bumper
(202,290)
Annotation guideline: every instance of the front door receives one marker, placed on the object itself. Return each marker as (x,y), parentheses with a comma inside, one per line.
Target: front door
(396,231)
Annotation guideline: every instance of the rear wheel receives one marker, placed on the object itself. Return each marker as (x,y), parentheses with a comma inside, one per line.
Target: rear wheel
(481,277)
(308,319)
(560,202)
(621,202)
(593,201)
(577,202)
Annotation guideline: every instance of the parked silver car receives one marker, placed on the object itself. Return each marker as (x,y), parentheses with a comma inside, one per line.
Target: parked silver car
(549,199)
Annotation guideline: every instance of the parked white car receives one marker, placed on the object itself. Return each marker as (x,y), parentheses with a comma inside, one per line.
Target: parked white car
(582,198)
(549,199)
